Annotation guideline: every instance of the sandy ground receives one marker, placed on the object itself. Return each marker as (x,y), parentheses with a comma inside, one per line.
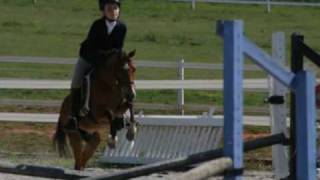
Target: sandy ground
(248,175)
(165,176)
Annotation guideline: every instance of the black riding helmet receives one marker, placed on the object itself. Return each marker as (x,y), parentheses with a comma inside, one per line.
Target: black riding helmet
(102,3)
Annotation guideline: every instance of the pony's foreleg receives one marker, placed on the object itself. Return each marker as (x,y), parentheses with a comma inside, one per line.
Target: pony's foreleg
(90,147)
(112,137)
(132,130)
(76,144)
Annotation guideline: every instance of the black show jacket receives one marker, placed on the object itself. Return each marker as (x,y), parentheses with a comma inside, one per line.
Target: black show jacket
(99,40)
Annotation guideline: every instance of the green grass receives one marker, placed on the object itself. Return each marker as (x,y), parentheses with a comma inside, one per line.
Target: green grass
(159,30)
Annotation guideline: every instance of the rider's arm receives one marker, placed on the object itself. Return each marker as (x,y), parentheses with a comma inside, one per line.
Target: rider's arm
(88,49)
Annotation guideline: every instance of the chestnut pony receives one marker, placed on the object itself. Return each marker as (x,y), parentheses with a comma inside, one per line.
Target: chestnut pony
(111,95)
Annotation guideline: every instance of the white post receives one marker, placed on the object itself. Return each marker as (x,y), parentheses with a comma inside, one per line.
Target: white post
(181,91)
(193,4)
(278,112)
(268,6)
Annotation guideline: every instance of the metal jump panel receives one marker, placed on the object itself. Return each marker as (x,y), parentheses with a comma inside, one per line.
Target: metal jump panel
(166,138)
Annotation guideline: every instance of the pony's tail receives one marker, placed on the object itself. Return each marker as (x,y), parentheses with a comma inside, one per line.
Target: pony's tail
(60,140)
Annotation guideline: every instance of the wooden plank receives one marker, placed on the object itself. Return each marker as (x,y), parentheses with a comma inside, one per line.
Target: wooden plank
(207,169)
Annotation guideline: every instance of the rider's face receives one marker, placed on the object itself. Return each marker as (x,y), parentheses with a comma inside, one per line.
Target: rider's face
(111,11)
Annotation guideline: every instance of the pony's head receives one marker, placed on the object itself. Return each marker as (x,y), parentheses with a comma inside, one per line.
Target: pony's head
(119,64)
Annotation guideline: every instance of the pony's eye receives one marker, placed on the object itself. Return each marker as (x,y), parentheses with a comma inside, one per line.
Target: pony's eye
(126,66)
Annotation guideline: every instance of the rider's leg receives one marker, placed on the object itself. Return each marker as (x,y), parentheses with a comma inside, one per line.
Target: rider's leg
(81,68)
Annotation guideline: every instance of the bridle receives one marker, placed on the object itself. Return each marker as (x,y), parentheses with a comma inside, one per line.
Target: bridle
(129,83)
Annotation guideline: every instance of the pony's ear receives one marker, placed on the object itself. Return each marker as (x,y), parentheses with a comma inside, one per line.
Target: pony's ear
(132,53)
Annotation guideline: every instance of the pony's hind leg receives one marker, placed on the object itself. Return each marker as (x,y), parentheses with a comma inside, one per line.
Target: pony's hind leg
(77,147)
(90,147)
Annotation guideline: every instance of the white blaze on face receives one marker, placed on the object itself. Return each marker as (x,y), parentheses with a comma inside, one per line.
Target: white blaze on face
(126,66)
(133,89)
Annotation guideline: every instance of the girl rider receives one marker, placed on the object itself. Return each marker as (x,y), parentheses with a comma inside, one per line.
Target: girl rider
(105,33)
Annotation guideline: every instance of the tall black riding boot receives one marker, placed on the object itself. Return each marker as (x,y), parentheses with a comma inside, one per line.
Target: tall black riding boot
(73,122)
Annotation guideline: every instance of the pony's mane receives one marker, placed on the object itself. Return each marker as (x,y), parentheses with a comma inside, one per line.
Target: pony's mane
(107,60)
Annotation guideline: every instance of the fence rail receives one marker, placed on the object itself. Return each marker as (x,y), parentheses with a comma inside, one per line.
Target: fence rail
(255,2)
(181,84)
(52,118)
(249,84)
(139,105)
(139,63)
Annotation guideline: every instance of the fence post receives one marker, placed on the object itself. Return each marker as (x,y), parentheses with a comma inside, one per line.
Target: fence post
(181,91)
(233,95)
(268,2)
(193,4)
(278,109)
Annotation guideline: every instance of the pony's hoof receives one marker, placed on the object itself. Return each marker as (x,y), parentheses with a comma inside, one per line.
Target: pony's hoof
(112,142)
(131,133)
(78,168)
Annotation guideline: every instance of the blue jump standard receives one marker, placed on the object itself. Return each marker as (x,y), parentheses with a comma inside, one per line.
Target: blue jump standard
(236,46)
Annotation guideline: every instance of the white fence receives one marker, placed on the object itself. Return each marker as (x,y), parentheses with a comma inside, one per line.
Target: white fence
(256,85)
(267,3)
(180,84)
(139,63)
(249,84)
(53,118)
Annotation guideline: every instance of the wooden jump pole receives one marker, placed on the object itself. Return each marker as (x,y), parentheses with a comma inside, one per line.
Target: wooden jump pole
(207,169)
(40,171)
